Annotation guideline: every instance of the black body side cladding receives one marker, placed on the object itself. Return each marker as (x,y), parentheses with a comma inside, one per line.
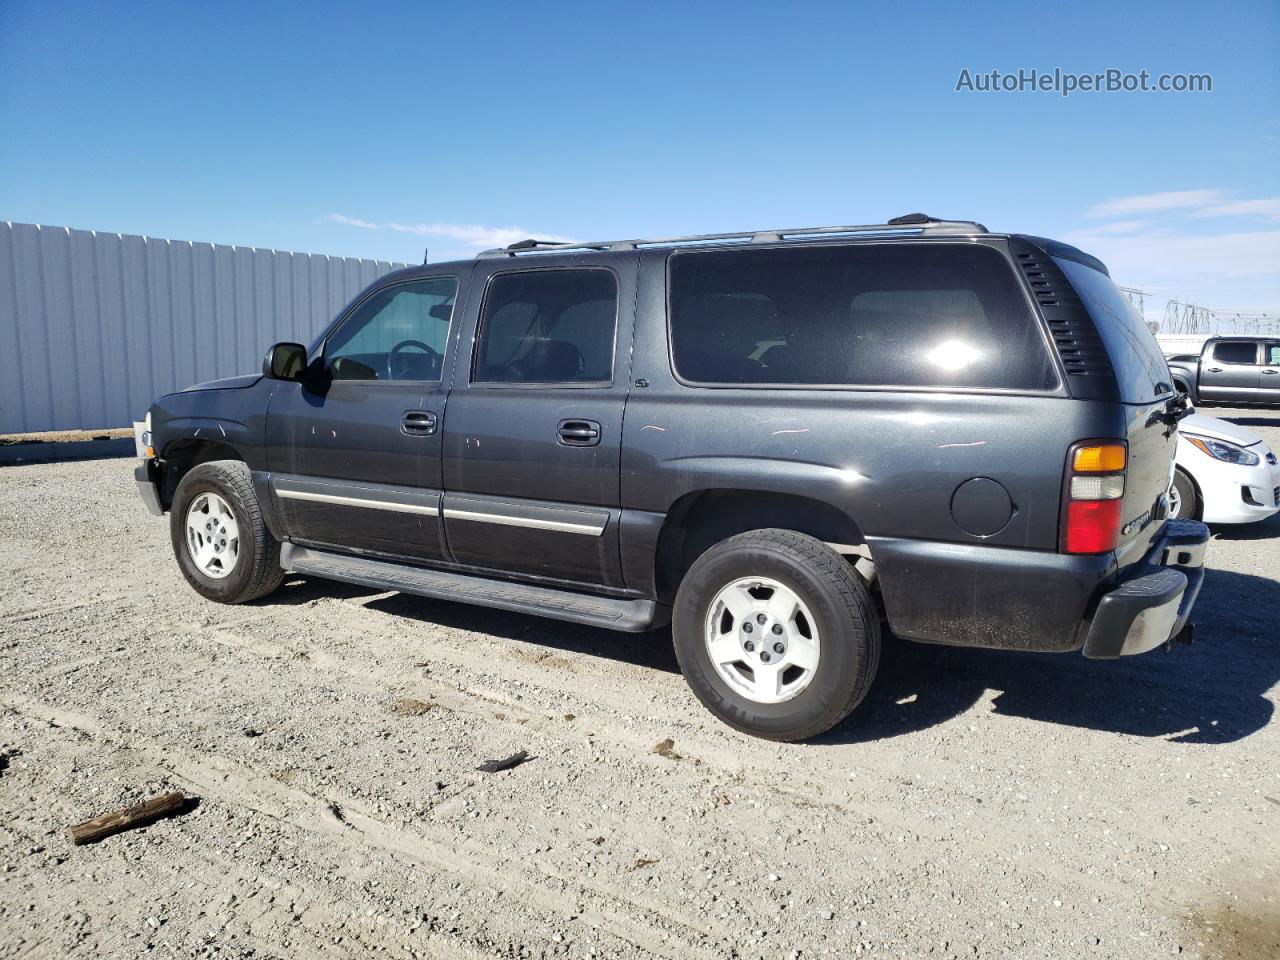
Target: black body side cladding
(980,596)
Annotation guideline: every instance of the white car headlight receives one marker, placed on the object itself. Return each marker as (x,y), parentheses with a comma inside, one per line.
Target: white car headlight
(1228,452)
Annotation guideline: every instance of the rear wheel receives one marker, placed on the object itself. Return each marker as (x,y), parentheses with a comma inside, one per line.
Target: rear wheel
(222,545)
(776,635)
(1183,499)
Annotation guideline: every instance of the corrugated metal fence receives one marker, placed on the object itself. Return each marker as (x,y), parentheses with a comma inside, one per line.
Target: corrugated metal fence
(94,326)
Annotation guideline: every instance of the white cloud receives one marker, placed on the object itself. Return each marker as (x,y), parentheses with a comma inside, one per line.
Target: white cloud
(1168,253)
(474,235)
(1119,226)
(457,239)
(1225,271)
(1154,202)
(1264,206)
(351,221)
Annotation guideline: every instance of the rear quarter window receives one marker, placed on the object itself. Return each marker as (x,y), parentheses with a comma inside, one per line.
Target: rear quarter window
(1141,369)
(902,314)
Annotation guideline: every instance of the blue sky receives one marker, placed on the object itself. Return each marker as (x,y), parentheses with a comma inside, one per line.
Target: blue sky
(375,130)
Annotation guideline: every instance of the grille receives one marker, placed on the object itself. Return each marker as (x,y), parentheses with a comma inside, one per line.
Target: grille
(1271,458)
(1277,496)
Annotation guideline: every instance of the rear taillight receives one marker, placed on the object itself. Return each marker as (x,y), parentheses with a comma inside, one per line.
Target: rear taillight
(1094,491)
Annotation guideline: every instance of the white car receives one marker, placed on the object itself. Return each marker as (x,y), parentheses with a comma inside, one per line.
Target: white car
(1224,473)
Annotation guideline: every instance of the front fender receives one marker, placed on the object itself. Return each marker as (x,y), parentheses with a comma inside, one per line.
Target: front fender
(1186,374)
(234,418)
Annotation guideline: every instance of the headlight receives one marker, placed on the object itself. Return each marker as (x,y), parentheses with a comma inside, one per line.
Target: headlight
(1228,452)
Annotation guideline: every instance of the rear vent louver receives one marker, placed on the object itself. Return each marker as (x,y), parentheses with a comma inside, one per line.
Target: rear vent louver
(1073,332)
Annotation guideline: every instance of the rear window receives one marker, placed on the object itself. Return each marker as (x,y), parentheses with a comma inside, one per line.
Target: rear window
(902,314)
(1140,366)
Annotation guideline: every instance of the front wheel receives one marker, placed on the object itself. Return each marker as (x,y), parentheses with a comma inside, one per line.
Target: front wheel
(222,545)
(776,634)
(1183,499)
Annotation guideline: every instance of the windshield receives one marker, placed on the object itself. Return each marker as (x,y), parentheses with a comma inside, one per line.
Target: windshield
(1140,367)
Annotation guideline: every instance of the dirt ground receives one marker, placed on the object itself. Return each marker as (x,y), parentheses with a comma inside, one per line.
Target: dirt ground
(66,436)
(978,804)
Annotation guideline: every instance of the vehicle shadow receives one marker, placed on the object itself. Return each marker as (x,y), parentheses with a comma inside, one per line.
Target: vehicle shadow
(1250,419)
(1263,530)
(1211,692)
(297,590)
(653,650)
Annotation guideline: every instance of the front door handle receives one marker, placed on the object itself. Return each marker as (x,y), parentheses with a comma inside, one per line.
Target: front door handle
(1215,369)
(579,433)
(418,423)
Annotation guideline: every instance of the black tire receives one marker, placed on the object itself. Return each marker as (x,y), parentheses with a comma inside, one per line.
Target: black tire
(256,571)
(1190,507)
(847,624)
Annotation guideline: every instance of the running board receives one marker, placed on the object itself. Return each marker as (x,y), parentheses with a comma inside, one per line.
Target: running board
(631,616)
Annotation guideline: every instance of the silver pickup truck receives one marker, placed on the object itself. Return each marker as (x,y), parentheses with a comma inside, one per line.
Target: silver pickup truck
(1230,370)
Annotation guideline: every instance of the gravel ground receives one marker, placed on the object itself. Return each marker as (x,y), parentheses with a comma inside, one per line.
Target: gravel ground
(978,804)
(67,436)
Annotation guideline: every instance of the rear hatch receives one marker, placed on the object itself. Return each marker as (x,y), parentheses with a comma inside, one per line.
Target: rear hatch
(1146,395)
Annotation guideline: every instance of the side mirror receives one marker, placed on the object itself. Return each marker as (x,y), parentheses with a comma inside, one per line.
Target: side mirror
(285,361)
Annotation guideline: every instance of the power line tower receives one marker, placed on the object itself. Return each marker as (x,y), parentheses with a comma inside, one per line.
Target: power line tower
(1180,317)
(1257,324)
(1138,298)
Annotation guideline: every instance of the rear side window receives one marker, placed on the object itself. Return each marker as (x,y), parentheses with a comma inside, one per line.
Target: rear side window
(1237,351)
(548,326)
(902,314)
(1271,354)
(1140,366)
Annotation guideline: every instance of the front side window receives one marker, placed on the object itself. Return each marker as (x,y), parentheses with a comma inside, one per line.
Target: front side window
(398,333)
(548,326)
(1236,351)
(902,314)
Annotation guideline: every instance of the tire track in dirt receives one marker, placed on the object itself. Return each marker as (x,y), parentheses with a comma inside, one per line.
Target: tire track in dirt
(235,784)
(717,758)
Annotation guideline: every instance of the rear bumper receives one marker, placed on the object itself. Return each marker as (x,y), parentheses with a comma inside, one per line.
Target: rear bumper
(1153,602)
(144,476)
(980,596)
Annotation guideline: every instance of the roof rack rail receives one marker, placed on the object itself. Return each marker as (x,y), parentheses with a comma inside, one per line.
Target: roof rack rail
(909,224)
(526,246)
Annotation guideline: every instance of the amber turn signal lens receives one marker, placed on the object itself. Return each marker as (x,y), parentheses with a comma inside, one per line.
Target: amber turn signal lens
(1102,458)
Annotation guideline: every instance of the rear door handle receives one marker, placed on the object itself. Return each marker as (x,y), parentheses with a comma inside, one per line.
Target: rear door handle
(1271,373)
(579,433)
(418,423)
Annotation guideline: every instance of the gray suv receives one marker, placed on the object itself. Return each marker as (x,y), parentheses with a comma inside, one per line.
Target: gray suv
(780,442)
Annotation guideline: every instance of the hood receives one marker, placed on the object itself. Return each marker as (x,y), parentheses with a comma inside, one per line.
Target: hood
(227,383)
(1200,425)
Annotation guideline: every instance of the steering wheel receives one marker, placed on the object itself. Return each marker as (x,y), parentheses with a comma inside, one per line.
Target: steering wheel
(398,363)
